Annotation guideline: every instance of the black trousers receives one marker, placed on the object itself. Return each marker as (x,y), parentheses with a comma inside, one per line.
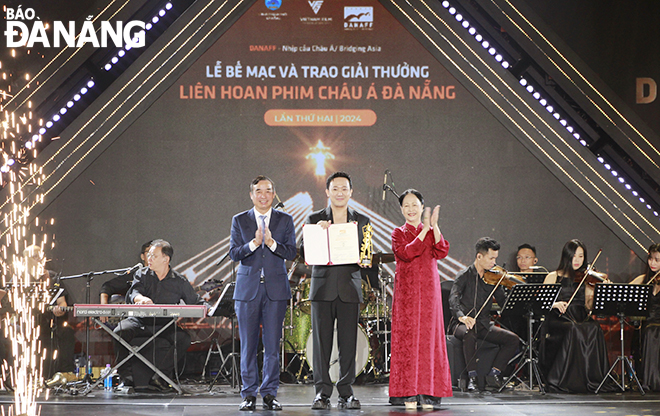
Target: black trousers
(324,315)
(507,340)
(163,353)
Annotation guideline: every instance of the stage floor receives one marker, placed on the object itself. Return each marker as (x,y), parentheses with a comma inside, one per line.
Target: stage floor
(296,400)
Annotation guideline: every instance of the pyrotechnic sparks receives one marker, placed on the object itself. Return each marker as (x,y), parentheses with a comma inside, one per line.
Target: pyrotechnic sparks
(22,244)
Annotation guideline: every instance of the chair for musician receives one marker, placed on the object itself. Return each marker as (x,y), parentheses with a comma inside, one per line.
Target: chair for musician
(486,353)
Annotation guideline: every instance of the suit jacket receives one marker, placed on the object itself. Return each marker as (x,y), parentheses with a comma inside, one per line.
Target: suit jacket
(343,280)
(243,227)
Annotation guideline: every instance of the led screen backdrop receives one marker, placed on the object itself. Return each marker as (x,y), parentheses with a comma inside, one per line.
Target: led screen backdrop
(296,91)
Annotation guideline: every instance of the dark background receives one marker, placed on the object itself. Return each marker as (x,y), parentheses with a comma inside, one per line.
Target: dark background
(182,170)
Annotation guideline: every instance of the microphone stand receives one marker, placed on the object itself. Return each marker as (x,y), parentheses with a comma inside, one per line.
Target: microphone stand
(89,277)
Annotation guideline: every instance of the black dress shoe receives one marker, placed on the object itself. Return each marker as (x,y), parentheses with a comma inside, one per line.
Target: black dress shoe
(472,385)
(321,402)
(271,403)
(349,402)
(160,384)
(494,381)
(249,403)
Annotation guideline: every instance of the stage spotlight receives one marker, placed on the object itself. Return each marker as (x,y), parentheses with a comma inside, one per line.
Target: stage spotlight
(69,104)
(472,31)
(90,84)
(642,200)
(121,53)
(570,129)
(498,57)
(76,97)
(478,38)
(607,166)
(655,213)
(83,90)
(49,124)
(56,118)
(530,88)
(635,193)
(161,13)
(576,135)
(621,180)
(107,67)
(615,173)
(492,51)
(114,60)
(459,17)
(556,116)
(4,169)
(445,4)
(35,138)
(485,44)
(42,131)
(10,162)
(168,6)
(452,11)
(465,24)
(155,19)
(600,159)
(148,26)
(628,187)
(63,111)
(543,102)
(563,122)
(583,143)
(523,81)
(28,145)
(505,64)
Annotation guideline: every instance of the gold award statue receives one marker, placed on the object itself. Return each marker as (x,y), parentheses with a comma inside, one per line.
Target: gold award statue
(367,245)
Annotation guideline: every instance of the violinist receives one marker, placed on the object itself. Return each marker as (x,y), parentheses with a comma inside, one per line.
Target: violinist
(470,302)
(650,369)
(573,354)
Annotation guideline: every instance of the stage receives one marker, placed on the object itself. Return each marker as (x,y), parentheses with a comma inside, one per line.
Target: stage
(296,399)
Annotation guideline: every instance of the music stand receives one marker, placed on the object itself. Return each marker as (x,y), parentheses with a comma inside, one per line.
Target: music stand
(225,307)
(530,300)
(621,300)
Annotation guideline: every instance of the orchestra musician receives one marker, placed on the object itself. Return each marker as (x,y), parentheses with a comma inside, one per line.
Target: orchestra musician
(573,354)
(157,284)
(650,369)
(419,367)
(526,258)
(471,301)
(56,332)
(336,294)
(262,238)
(119,285)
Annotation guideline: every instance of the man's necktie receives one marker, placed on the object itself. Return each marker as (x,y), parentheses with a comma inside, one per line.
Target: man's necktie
(263,230)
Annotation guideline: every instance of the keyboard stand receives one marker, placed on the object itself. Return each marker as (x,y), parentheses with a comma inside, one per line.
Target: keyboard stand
(134,352)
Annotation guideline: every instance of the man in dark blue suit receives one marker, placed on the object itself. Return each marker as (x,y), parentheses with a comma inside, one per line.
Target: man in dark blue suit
(261,240)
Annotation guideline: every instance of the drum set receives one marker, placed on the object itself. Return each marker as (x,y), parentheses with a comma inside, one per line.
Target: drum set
(373,334)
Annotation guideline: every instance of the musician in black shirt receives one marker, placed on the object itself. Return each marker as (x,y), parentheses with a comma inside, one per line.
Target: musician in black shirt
(119,285)
(158,284)
(470,294)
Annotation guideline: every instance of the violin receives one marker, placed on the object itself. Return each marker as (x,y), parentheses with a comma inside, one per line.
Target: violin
(499,275)
(592,277)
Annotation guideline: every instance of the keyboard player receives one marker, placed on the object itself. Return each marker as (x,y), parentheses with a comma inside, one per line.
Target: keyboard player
(157,284)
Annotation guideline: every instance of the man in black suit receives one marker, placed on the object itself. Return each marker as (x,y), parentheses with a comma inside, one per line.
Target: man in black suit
(336,294)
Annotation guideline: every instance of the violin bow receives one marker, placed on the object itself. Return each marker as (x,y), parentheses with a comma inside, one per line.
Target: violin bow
(492,293)
(586,273)
(653,278)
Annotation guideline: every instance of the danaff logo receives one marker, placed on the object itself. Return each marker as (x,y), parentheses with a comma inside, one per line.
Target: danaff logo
(316,5)
(23,30)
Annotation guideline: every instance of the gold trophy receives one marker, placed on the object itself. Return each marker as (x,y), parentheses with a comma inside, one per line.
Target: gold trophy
(366,252)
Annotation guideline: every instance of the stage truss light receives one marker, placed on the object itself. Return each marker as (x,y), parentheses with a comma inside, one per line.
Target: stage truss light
(537,94)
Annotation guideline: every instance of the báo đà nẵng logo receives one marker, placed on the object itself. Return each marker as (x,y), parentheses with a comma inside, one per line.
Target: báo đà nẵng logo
(24,28)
